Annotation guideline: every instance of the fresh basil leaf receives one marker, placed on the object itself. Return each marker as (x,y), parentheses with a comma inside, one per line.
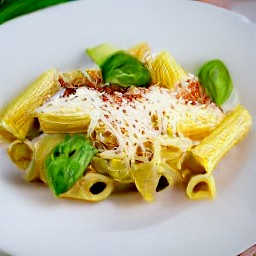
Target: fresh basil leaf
(215,78)
(123,69)
(67,162)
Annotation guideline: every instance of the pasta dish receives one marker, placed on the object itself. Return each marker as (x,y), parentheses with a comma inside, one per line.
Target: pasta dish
(134,120)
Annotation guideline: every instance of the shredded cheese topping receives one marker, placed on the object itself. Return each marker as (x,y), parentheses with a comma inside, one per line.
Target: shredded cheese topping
(129,123)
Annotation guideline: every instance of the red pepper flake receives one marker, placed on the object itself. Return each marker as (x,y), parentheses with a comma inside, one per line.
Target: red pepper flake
(69,91)
(62,82)
(105,98)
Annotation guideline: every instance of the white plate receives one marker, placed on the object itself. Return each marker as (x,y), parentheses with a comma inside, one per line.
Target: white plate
(33,222)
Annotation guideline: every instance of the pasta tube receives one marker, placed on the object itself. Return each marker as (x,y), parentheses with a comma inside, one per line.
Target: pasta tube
(17,117)
(165,71)
(6,136)
(163,169)
(30,155)
(118,169)
(200,124)
(205,156)
(152,177)
(92,187)
(63,123)
(171,151)
(21,153)
(167,176)
(146,179)
(142,52)
(201,186)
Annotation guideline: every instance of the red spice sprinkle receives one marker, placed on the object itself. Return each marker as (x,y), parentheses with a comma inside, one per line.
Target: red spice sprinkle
(193,93)
(62,82)
(104,98)
(69,91)
(116,93)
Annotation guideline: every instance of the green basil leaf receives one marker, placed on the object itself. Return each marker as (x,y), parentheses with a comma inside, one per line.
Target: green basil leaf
(123,69)
(215,78)
(67,162)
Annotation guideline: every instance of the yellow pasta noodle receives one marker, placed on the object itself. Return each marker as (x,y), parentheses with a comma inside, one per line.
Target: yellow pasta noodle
(30,155)
(21,153)
(151,177)
(201,186)
(6,136)
(199,125)
(146,178)
(91,187)
(118,169)
(43,146)
(166,71)
(63,123)
(231,130)
(17,117)
(143,52)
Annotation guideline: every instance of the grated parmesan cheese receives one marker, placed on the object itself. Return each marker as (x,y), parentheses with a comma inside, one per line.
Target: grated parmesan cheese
(134,118)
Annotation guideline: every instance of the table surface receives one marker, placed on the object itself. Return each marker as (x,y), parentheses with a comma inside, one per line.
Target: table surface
(246,8)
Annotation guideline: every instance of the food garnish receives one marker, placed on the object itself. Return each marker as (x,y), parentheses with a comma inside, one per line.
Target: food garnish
(215,78)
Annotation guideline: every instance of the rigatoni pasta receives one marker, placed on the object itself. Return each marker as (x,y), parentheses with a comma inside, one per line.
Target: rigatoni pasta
(137,120)
(231,130)
(201,186)
(17,117)
(21,153)
(91,187)
(63,122)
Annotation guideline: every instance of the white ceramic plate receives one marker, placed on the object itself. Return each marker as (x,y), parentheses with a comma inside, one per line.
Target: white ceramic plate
(33,222)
